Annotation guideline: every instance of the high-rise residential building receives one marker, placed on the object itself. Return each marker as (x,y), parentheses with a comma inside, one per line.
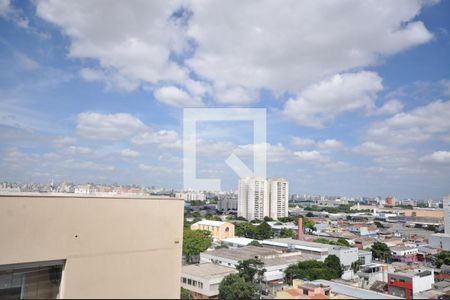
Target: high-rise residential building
(227,202)
(279,195)
(259,197)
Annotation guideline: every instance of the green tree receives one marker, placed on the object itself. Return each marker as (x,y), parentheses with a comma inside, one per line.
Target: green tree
(235,287)
(185,294)
(333,262)
(322,241)
(195,242)
(249,268)
(380,250)
(255,243)
(263,231)
(442,258)
(311,270)
(310,214)
(246,229)
(343,242)
(307,223)
(268,219)
(286,233)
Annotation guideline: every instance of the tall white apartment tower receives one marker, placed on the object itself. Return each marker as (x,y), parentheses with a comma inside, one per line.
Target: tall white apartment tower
(259,197)
(446,207)
(279,196)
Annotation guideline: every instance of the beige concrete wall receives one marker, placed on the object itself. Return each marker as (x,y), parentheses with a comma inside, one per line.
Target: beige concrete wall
(114,247)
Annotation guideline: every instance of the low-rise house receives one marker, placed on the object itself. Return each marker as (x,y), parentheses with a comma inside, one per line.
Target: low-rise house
(364,230)
(304,290)
(371,273)
(407,283)
(219,230)
(203,280)
(404,253)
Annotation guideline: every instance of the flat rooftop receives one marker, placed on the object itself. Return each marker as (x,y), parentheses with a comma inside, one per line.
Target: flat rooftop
(285,242)
(352,291)
(208,270)
(243,253)
(73,195)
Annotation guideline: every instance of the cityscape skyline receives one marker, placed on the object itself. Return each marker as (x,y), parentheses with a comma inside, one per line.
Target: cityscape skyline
(368,119)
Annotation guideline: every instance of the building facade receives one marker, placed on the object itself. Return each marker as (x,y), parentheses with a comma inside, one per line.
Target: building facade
(259,197)
(228,202)
(406,284)
(219,230)
(81,246)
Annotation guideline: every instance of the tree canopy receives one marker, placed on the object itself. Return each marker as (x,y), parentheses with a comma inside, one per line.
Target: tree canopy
(249,268)
(286,233)
(312,270)
(260,232)
(442,258)
(234,286)
(380,250)
(255,243)
(195,242)
(333,262)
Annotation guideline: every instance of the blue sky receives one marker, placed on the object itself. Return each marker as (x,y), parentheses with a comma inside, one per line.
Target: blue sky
(357,95)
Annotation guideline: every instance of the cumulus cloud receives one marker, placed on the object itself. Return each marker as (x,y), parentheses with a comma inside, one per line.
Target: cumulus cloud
(420,124)
(163,138)
(5,6)
(370,148)
(279,48)
(442,157)
(129,153)
(389,108)
(341,93)
(301,142)
(174,96)
(76,150)
(330,144)
(311,156)
(108,126)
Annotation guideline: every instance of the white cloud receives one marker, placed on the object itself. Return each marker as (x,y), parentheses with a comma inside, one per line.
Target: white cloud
(438,157)
(174,96)
(108,126)
(26,62)
(301,142)
(370,148)
(130,40)
(262,47)
(286,48)
(330,144)
(5,7)
(420,124)
(445,84)
(390,107)
(162,138)
(76,150)
(325,100)
(129,153)
(310,156)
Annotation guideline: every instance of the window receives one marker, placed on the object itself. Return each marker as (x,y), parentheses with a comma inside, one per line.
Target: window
(189,281)
(31,280)
(200,284)
(184,279)
(305,292)
(194,282)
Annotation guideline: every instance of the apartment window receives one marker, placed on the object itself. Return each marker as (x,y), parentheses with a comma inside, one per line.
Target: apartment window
(194,282)
(200,284)
(31,280)
(189,281)
(184,279)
